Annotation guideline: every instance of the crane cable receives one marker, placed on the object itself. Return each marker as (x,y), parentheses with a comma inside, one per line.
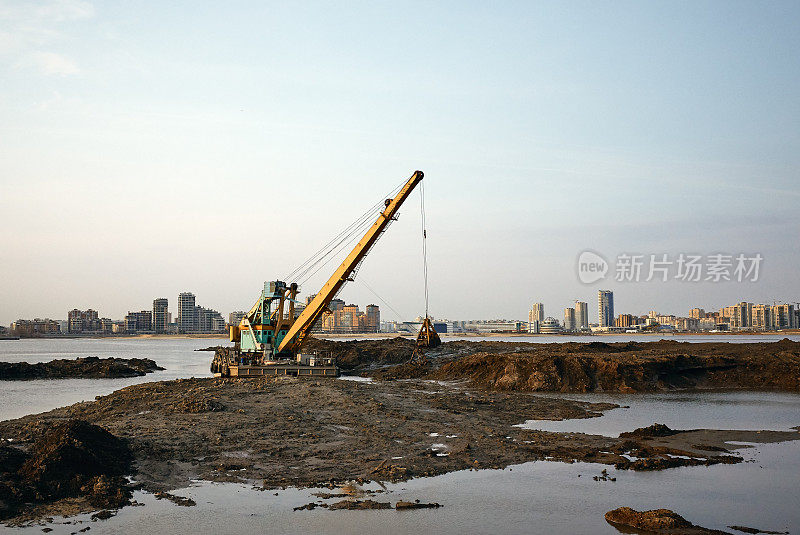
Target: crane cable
(330,250)
(335,244)
(400,316)
(424,243)
(326,249)
(333,252)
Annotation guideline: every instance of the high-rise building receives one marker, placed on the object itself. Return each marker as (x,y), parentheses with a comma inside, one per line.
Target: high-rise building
(687,324)
(139,321)
(373,318)
(160,314)
(328,322)
(107,325)
(350,318)
(74,321)
(762,318)
(207,320)
(784,316)
(581,316)
(739,316)
(605,308)
(235,317)
(217,323)
(186,312)
(83,320)
(698,313)
(535,317)
(569,319)
(36,327)
(624,320)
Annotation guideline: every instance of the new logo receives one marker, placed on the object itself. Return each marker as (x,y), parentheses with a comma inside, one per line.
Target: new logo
(591,267)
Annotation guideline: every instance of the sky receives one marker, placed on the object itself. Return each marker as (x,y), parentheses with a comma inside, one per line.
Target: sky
(150,148)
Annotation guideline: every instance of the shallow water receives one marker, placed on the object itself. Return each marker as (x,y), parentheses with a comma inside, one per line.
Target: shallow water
(539,497)
(776,411)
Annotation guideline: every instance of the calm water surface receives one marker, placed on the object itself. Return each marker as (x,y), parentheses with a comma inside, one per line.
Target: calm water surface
(776,411)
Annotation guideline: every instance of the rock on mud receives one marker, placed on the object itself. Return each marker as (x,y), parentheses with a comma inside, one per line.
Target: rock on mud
(415,505)
(86,368)
(655,430)
(745,529)
(359,504)
(661,521)
(177,500)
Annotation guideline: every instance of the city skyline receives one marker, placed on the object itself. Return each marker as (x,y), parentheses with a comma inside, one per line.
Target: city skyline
(133,157)
(742,316)
(580,310)
(347,318)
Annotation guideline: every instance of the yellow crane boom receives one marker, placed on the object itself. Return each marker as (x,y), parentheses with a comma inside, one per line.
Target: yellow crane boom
(303,324)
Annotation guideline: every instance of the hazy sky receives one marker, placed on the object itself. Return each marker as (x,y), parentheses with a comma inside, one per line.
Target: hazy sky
(149,148)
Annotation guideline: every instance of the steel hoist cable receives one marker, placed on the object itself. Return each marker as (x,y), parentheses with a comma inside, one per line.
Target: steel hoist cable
(424,244)
(400,316)
(345,236)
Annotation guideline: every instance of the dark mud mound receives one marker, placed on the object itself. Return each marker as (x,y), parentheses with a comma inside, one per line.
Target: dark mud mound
(579,367)
(415,505)
(88,368)
(602,347)
(407,370)
(662,521)
(355,354)
(745,529)
(655,430)
(73,459)
(353,505)
(642,367)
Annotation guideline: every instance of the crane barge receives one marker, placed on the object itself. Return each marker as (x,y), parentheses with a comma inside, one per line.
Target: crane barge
(269,340)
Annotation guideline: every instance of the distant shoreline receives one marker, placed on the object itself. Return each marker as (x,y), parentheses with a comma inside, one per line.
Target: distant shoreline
(413,335)
(565,335)
(119,337)
(663,333)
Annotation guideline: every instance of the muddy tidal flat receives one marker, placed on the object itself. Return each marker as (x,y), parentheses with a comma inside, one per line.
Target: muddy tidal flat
(279,432)
(469,406)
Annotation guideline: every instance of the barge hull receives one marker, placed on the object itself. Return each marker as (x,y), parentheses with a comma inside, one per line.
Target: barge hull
(295,370)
